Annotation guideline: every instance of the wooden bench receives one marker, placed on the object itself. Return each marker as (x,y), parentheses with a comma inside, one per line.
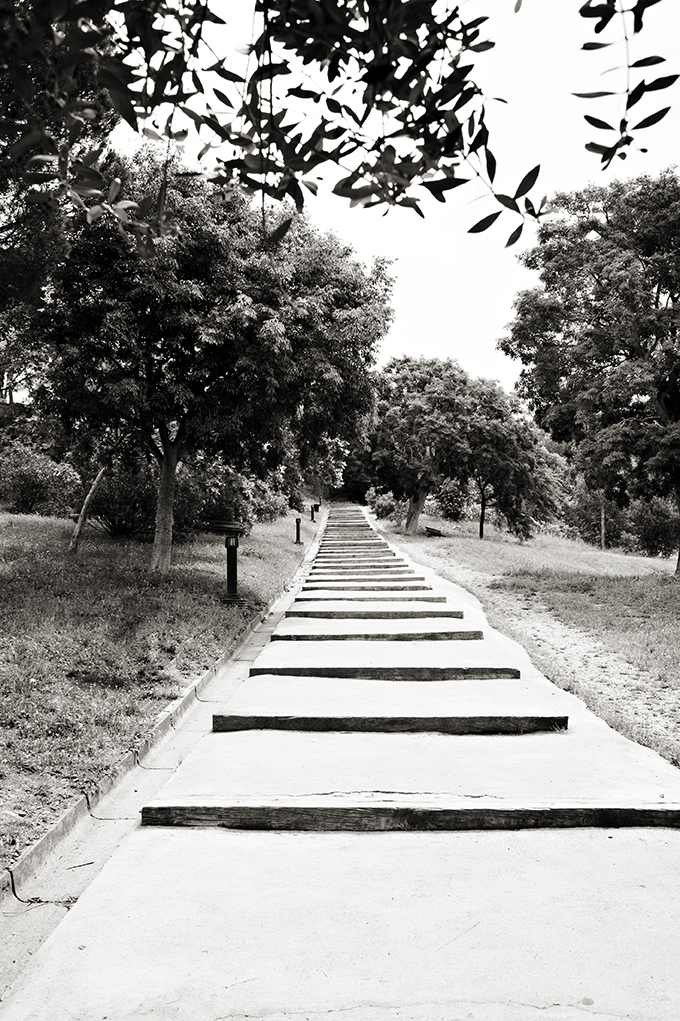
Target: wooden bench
(434,532)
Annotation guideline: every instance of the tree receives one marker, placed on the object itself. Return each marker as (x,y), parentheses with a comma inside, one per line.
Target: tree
(599,339)
(510,470)
(419,437)
(221,342)
(397,94)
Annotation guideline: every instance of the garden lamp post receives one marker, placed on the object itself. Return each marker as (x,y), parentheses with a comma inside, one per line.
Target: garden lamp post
(231,530)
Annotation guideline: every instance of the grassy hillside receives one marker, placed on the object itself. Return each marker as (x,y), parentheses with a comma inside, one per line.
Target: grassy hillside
(93,647)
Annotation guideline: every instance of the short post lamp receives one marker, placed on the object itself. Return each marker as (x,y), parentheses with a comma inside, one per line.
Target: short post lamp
(231,530)
(298,540)
(313,508)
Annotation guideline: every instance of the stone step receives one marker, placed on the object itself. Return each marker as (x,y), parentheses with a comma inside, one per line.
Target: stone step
(276,779)
(380,610)
(367,586)
(366,629)
(391,661)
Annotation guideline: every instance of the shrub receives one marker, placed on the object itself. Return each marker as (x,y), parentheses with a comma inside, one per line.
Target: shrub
(452,500)
(583,512)
(656,526)
(32,483)
(386,505)
(125,504)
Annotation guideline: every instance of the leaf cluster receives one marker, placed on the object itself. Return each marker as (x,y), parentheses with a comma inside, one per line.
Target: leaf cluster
(599,339)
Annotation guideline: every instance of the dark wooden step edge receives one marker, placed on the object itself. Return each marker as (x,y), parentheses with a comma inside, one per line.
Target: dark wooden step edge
(305,614)
(415,636)
(459,725)
(382,673)
(378,817)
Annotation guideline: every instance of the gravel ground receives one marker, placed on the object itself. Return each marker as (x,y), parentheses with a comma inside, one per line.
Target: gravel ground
(627,698)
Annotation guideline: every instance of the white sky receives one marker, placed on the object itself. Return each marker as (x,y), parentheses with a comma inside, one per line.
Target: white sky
(454,290)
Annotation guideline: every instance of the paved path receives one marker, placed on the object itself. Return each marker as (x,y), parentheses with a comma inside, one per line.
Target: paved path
(394,817)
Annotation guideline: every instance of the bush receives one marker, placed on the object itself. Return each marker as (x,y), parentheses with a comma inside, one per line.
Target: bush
(125,504)
(452,500)
(386,505)
(32,483)
(656,526)
(583,512)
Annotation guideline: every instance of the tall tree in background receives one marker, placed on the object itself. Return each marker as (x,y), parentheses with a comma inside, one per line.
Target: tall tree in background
(599,339)
(419,437)
(510,470)
(219,342)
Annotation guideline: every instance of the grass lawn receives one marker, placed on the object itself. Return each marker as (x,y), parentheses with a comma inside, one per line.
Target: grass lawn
(93,647)
(628,605)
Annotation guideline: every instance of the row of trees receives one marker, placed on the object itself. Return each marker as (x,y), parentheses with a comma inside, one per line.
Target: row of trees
(235,339)
(599,339)
(435,430)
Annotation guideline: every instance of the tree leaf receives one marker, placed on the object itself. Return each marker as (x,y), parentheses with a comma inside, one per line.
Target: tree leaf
(636,95)
(507,201)
(223,98)
(490,165)
(485,223)
(592,95)
(661,83)
(224,73)
(648,61)
(269,71)
(653,118)
(515,236)
(528,181)
(595,46)
(438,187)
(280,232)
(597,123)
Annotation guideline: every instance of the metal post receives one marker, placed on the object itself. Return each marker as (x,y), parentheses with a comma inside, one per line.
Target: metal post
(231,542)
(298,541)
(313,508)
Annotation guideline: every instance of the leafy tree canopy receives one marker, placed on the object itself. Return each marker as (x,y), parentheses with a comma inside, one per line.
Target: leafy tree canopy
(418,440)
(434,425)
(599,339)
(214,343)
(394,96)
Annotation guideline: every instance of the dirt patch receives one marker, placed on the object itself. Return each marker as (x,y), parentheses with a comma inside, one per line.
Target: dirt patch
(629,699)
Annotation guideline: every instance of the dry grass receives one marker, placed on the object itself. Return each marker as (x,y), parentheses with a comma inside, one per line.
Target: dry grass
(615,643)
(93,647)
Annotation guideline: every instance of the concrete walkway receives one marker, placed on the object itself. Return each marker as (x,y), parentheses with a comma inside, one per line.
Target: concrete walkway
(395,817)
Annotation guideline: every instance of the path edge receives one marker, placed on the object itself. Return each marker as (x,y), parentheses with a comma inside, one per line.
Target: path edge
(30,860)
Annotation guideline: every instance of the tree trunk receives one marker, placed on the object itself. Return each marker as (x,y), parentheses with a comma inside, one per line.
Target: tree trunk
(162,543)
(603,527)
(415,509)
(84,513)
(482,514)
(677,500)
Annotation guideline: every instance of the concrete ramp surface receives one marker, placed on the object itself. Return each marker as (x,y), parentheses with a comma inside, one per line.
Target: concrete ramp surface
(395,818)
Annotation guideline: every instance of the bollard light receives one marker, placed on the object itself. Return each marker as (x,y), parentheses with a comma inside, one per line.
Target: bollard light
(298,540)
(313,508)
(231,530)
